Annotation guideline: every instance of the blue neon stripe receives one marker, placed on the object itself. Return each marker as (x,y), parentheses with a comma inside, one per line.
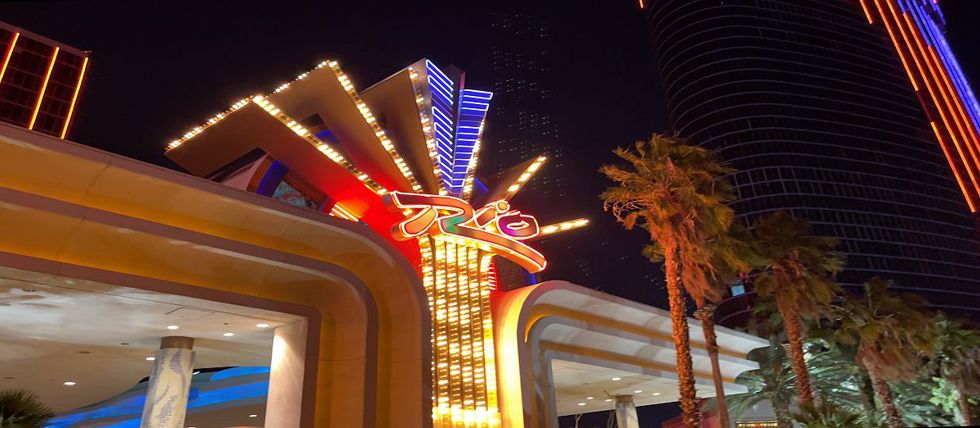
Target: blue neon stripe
(473,107)
(442,89)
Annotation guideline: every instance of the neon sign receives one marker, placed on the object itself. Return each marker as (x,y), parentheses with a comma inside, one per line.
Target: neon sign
(495,225)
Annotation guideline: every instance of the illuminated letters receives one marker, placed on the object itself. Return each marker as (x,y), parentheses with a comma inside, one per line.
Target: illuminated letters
(494,225)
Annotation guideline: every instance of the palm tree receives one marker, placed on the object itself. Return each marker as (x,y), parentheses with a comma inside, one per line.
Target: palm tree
(958,360)
(678,194)
(723,259)
(772,381)
(21,409)
(798,271)
(892,333)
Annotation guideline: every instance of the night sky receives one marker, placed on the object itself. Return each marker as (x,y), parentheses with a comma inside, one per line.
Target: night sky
(160,68)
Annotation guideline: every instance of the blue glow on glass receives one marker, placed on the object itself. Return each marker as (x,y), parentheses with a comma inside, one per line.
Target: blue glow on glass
(239,371)
(202,395)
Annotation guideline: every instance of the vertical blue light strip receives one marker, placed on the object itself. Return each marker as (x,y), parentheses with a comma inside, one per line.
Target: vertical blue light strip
(442,89)
(926,21)
(473,106)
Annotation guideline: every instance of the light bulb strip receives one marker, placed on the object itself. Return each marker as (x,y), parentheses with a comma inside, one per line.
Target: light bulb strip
(524,177)
(323,147)
(211,121)
(340,212)
(563,226)
(389,147)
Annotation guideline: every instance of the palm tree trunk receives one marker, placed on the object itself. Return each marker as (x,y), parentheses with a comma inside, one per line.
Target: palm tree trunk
(706,315)
(794,333)
(892,415)
(867,396)
(682,345)
(780,408)
(964,402)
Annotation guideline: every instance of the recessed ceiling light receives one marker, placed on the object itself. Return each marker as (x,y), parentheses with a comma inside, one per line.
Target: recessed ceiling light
(151,358)
(616,379)
(262,325)
(608,400)
(590,398)
(172,327)
(581,404)
(229,334)
(638,391)
(69,383)
(253,416)
(656,393)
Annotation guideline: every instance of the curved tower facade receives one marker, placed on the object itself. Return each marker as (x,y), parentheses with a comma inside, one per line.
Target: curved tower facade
(812,106)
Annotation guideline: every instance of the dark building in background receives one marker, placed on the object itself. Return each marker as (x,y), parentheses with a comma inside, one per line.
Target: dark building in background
(812,106)
(40,80)
(523,66)
(536,72)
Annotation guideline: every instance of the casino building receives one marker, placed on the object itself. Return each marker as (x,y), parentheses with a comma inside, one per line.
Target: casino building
(809,101)
(329,261)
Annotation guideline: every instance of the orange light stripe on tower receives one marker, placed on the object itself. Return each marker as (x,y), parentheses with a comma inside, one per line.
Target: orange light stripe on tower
(962,124)
(970,126)
(959,179)
(10,53)
(897,47)
(44,87)
(943,113)
(950,110)
(74,97)
(867,13)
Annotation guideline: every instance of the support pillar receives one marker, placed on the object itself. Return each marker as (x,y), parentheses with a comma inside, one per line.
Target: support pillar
(626,412)
(170,384)
(285,400)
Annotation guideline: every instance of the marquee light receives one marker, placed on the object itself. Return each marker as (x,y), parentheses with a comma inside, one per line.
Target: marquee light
(494,225)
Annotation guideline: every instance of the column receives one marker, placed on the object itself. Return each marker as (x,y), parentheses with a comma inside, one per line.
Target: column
(285,400)
(626,412)
(169,385)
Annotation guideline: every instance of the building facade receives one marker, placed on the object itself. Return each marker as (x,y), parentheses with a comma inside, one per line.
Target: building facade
(813,108)
(40,80)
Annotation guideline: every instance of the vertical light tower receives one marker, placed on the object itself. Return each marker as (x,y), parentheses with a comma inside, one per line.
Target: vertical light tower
(408,174)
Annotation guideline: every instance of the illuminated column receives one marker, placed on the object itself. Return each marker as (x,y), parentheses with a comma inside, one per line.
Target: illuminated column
(169,385)
(463,367)
(626,412)
(283,407)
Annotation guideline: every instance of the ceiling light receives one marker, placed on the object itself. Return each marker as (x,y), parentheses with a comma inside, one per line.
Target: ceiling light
(590,398)
(194,373)
(172,327)
(608,400)
(151,358)
(229,334)
(638,391)
(253,416)
(262,325)
(656,393)
(69,383)
(616,379)
(581,404)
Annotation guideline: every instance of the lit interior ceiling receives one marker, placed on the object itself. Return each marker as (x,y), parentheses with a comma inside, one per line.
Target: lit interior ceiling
(56,329)
(586,388)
